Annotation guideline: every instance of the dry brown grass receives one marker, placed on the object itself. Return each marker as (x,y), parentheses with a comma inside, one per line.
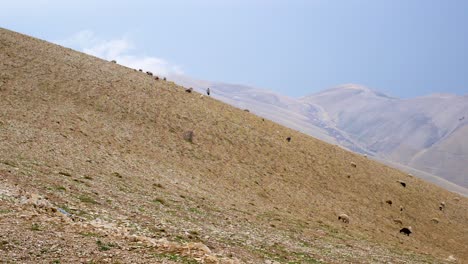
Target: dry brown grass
(108,142)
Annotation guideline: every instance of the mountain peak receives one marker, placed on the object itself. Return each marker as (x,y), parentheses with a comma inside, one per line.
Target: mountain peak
(353,86)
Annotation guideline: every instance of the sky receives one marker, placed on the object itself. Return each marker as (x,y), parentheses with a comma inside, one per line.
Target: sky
(403,48)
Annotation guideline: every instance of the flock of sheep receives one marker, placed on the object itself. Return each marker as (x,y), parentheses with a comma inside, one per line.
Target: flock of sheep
(405,230)
(342,217)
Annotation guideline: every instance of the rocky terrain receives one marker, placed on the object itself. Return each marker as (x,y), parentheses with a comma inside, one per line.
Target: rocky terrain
(100,163)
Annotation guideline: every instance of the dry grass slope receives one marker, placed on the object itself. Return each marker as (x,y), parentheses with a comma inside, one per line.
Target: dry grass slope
(105,144)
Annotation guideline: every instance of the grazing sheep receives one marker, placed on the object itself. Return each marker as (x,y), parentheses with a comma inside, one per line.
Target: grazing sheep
(189,90)
(263,119)
(402,183)
(410,175)
(208,91)
(442,206)
(344,218)
(389,202)
(246,110)
(456,199)
(353,164)
(288,139)
(156,78)
(406,230)
(435,220)
(398,221)
(451,259)
(365,155)
(113,61)
(164,78)
(149,73)
(140,70)
(188,136)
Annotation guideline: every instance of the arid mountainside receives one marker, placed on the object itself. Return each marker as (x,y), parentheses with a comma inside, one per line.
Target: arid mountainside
(100,163)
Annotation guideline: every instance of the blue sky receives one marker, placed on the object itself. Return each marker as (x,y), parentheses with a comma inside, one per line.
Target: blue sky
(404,48)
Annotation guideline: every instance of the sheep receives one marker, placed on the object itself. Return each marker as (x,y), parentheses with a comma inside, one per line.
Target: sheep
(149,73)
(353,165)
(208,91)
(406,230)
(189,90)
(401,209)
(435,220)
(156,78)
(389,202)
(246,110)
(140,70)
(442,206)
(288,139)
(113,61)
(344,218)
(402,183)
(398,221)
(188,136)
(164,78)
(456,199)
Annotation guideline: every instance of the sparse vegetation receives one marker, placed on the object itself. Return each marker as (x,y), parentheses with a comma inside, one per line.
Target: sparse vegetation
(104,246)
(87,199)
(159,201)
(175,258)
(247,192)
(35,227)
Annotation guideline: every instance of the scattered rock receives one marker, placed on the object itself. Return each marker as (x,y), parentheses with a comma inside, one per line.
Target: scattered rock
(353,165)
(64,173)
(435,220)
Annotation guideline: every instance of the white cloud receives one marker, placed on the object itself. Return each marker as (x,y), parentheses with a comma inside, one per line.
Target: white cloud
(120,50)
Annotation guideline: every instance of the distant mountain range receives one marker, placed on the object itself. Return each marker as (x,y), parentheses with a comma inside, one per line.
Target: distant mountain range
(428,133)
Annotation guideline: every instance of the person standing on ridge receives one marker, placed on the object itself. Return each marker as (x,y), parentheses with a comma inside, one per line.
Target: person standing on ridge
(208,91)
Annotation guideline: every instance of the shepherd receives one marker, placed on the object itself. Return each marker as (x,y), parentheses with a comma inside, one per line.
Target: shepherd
(208,91)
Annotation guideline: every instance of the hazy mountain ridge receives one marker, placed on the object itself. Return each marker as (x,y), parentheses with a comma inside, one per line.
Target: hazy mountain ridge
(408,131)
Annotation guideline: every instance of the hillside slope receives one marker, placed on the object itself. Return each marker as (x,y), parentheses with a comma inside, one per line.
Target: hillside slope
(94,168)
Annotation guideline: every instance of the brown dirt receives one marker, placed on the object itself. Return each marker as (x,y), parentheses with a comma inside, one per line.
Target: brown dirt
(105,144)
